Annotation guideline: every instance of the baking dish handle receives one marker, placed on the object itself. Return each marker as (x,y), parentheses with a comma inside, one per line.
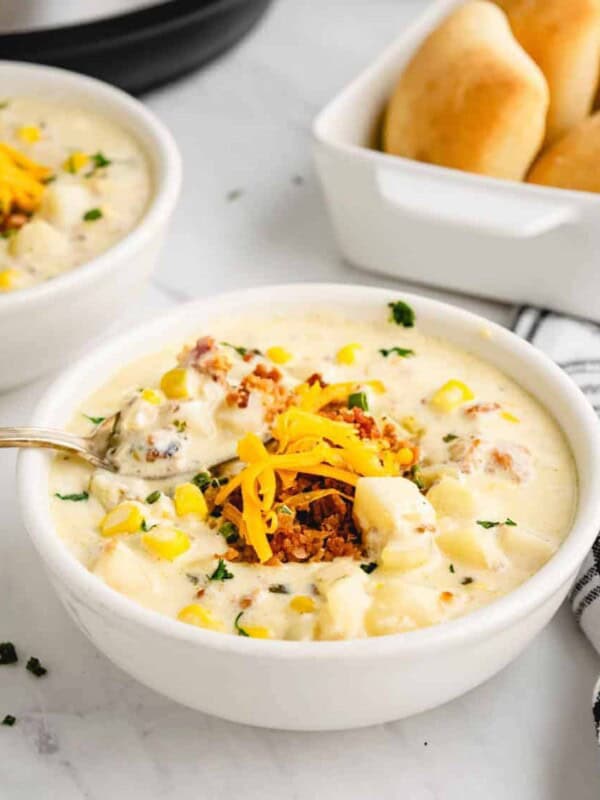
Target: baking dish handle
(502,214)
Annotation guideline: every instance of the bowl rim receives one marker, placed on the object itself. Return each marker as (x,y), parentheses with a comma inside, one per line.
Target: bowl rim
(159,147)
(32,469)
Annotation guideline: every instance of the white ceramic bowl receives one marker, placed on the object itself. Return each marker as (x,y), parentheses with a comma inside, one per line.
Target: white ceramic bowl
(490,237)
(315,685)
(45,326)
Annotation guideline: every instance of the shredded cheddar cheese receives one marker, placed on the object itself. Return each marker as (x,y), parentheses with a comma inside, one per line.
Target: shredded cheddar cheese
(307,443)
(21,181)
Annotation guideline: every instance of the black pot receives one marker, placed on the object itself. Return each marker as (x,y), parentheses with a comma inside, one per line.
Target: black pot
(141,49)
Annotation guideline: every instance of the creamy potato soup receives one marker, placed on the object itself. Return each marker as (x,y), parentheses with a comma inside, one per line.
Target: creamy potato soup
(71,185)
(386,480)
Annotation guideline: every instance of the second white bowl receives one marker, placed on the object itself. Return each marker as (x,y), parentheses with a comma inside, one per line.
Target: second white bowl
(44,326)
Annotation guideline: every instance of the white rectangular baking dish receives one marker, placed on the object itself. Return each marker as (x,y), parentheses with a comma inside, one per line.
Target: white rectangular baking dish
(494,238)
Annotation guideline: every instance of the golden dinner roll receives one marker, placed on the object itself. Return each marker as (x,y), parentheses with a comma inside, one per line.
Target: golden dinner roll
(470,98)
(563,38)
(572,162)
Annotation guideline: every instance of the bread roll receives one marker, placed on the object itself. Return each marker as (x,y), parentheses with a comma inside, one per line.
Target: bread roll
(563,38)
(470,98)
(572,162)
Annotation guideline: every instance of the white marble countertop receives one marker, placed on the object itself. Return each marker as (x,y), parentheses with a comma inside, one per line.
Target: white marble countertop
(88,731)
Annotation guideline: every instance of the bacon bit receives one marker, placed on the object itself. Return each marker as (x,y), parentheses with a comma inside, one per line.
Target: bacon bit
(229,555)
(446,597)
(14,221)
(503,460)
(200,592)
(206,359)
(323,531)
(266,380)
(316,377)
(246,602)
(481,408)
(425,529)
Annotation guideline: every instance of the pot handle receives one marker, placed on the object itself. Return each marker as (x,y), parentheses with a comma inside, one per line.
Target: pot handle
(468,205)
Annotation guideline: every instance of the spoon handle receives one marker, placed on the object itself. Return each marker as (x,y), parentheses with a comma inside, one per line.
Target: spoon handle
(50,439)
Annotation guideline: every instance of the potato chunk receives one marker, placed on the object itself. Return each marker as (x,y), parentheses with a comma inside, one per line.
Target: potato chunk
(343,613)
(526,550)
(391,509)
(451,498)
(65,204)
(400,606)
(473,546)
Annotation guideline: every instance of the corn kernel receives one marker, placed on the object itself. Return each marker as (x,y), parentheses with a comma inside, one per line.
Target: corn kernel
(124,518)
(151,396)
(75,162)
(174,383)
(9,279)
(167,543)
(347,354)
(412,425)
(302,604)
(279,355)
(30,134)
(451,395)
(197,615)
(257,631)
(405,456)
(189,500)
(509,417)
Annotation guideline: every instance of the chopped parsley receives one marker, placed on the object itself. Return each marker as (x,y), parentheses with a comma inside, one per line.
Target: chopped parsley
(180,425)
(242,351)
(146,527)
(9,720)
(75,498)
(466,581)
(34,666)
(92,215)
(94,420)
(369,568)
(238,627)
(221,573)
(100,160)
(8,653)
(153,497)
(279,588)
(229,532)
(489,524)
(4,104)
(194,579)
(204,479)
(8,232)
(283,509)
(403,352)
(450,437)
(234,194)
(451,568)
(415,477)
(358,400)
(402,314)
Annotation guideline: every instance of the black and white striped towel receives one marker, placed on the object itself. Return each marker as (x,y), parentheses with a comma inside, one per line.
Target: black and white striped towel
(575,345)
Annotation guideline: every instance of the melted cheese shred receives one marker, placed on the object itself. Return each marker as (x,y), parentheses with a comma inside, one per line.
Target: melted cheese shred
(22,181)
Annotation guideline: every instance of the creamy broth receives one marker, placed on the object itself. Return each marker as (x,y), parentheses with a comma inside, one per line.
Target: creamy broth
(72,184)
(460,485)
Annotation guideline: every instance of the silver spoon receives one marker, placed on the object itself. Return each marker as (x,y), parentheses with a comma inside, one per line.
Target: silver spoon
(94,449)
